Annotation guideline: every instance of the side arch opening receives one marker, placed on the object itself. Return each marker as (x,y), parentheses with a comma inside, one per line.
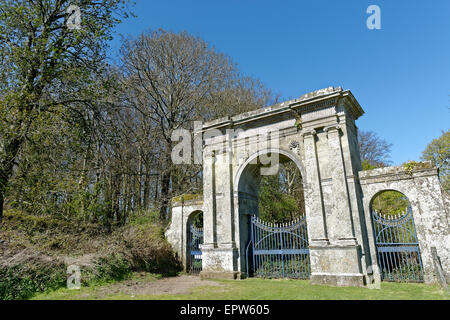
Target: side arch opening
(194,242)
(395,236)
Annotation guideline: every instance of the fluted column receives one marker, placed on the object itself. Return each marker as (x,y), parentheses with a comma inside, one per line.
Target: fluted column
(340,220)
(209,198)
(315,213)
(226,203)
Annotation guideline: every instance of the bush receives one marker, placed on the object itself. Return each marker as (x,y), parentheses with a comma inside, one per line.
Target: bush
(147,250)
(32,273)
(35,252)
(142,217)
(111,268)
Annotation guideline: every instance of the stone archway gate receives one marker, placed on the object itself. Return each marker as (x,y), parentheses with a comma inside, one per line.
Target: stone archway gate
(319,134)
(430,206)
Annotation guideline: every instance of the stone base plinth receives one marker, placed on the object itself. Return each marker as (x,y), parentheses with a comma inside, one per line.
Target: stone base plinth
(337,263)
(220,263)
(220,259)
(339,280)
(221,275)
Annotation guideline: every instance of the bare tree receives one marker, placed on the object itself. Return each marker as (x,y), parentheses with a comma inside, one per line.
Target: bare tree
(172,79)
(374,150)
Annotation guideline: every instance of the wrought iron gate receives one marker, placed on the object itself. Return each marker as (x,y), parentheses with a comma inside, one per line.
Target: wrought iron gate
(278,250)
(397,247)
(195,250)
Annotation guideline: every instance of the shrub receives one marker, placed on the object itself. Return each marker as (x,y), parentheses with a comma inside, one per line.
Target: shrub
(147,250)
(28,274)
(113,267)
(36,250)
(142,217)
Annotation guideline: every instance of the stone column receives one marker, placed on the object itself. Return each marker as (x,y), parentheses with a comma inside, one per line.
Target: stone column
(341,217)
(227,250)
(317,231)
(337,263)
(219,250)
(209,198)
(226,205)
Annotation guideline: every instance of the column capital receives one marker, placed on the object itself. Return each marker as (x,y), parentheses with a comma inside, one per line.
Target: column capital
(210,153)
(309,133)
(333,127)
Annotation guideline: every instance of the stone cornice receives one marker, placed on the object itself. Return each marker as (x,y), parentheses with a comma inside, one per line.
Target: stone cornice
(188,203)
(306,103)
(345,98)
(395,173)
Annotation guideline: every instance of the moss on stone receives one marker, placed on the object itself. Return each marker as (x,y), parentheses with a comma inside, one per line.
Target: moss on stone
(411,166)
(188,197)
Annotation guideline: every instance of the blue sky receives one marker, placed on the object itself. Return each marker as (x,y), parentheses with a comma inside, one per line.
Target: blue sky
(400,74)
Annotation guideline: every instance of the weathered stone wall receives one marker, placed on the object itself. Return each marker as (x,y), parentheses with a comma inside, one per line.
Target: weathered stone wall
(430,209)
(176,234)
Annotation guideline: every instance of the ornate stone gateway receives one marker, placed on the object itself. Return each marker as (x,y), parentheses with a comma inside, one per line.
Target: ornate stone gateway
(397,247)
(278,250)
(318,133)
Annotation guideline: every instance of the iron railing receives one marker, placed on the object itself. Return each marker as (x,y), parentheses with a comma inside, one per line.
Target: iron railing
(278,250)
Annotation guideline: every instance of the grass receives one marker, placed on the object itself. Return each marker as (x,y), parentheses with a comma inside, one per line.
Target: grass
(262,289)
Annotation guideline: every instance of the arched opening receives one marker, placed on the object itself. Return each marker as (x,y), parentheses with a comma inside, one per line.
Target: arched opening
(194,234)
(281,197)
(272,221)
(395,237)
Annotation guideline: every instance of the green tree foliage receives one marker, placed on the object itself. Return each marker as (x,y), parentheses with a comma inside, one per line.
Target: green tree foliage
(438,151)
(281,197)
(48,74)
(390,203)
(366,165)
(80,138)
(197,221)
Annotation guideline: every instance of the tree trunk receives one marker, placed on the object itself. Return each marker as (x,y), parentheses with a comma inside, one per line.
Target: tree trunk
(2,202)
(165,186)
(140,181)
(6,169)
(147,182)
(116,201)
(97,163)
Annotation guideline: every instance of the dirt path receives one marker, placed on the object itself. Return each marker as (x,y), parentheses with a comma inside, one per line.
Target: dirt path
(174,285)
